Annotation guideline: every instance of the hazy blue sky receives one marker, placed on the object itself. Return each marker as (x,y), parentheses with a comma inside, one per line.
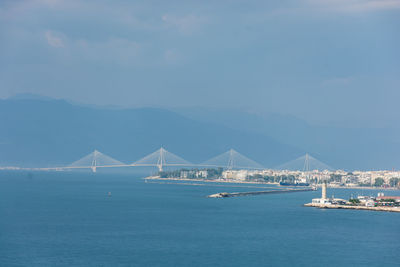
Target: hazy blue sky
(323,60)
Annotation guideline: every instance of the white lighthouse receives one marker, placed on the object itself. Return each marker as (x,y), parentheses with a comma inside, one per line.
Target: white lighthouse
(323,199)
(323,194)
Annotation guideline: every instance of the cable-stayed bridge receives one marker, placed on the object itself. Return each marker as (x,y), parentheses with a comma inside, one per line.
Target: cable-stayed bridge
(232,159)
(304,163)
(161,158)
(94,160)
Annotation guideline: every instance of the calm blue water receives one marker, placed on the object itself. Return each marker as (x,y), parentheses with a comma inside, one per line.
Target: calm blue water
(66,219)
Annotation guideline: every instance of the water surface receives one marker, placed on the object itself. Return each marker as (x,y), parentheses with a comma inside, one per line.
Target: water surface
(68,219)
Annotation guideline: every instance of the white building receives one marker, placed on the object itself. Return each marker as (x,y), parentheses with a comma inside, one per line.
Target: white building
(235,175)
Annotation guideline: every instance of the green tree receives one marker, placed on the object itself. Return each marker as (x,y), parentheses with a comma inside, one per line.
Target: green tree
(394,181)
(379,182)
(335,178)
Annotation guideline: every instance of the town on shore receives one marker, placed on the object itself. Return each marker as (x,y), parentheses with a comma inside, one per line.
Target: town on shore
(338,178)
(308,180)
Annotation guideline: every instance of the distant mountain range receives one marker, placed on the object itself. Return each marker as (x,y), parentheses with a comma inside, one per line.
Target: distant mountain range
(47,132)
(42,132)
(339,147)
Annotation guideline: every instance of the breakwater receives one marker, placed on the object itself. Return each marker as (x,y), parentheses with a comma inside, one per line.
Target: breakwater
(336,206)
(239,194)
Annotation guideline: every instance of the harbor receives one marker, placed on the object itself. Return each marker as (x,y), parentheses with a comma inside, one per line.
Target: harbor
(378,203)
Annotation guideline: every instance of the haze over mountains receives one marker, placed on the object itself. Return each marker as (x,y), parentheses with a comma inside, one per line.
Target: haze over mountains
(47,132)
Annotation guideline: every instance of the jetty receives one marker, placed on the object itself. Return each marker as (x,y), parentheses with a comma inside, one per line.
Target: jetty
(337,206)
(240,194)
(379,203)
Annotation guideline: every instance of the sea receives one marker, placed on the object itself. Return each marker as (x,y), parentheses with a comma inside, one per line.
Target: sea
(106,219)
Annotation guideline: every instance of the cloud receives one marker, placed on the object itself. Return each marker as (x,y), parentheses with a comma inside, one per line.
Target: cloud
(17,10)
(355,5)
(185,24)
(112,49)
(54,39)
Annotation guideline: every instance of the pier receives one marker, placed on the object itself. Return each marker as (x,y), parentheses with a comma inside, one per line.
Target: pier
(240,194)
(375,204)
(336,206)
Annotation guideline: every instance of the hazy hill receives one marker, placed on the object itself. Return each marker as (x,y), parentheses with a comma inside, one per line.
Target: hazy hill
(43,132)
(46,132)
(340,147)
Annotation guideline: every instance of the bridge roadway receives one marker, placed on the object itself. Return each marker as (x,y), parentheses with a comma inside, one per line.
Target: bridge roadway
(120,166)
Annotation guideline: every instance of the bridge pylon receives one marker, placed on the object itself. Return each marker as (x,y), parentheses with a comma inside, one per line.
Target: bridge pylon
(95,160)
(306,167)
(305,163)
(161,159)
(231,162)
(232,159)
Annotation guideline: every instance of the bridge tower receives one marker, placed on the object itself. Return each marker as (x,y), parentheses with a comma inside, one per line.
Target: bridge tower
(232,159)
(306,163)
(161,159)
(306,167)
(231,162)
(94,161)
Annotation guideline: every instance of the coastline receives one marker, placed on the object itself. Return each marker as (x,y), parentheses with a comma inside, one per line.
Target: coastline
(365,187)
(336,206)
(261,183)
(203,180)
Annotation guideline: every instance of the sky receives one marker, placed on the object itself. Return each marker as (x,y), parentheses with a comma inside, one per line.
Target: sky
(325,61)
